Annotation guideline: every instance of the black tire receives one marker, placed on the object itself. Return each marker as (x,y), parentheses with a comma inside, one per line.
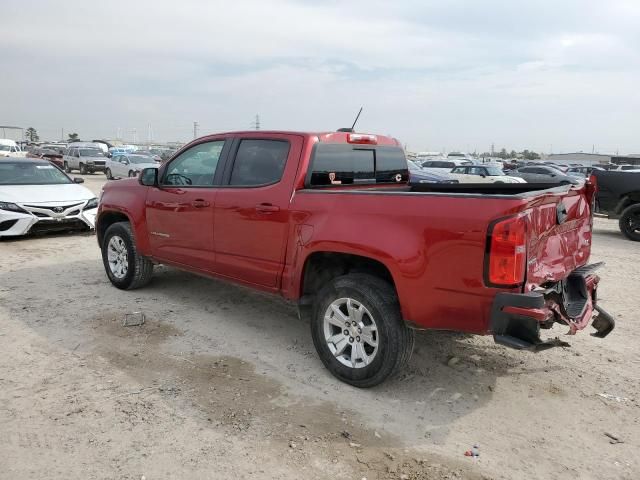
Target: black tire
(395,339)
(132,174)
(107,172)
(630,222)
(139,270)
(83,169)
(66,167)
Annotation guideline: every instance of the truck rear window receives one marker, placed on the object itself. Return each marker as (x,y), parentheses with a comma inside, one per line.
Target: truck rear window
(345,164)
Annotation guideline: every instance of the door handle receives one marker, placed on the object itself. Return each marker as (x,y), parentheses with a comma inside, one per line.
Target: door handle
(199,203)
(267,208)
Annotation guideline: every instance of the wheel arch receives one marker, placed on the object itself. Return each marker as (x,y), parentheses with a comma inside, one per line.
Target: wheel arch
(320,267)
(627,200)
(106,219)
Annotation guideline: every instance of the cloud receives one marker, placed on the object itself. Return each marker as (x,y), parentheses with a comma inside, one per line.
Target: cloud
(456,74)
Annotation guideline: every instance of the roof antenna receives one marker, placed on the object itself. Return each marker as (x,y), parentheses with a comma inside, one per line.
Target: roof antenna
(350,130)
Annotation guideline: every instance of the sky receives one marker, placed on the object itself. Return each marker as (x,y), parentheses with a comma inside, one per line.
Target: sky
(551,75)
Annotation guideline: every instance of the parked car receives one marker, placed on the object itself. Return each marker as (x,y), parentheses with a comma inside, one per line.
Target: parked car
(47,154)
(447,164)
(129,165)
(420,175)
(35,196)
(9,148)
(626,167)
(483,174)
(619,198)
(330,222)
(580,172)
(543,174)
(84,159)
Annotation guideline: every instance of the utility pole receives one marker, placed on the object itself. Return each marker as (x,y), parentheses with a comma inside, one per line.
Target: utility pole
(149,135)
(256,123)
(493,149)
(62,133)
(195,129)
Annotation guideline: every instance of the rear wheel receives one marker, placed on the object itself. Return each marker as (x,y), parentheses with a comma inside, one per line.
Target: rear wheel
(125,268)
(358,330)
(630,222)
(83,169)
(66,167)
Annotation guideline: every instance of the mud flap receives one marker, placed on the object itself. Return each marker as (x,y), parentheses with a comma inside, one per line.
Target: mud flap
(603,323)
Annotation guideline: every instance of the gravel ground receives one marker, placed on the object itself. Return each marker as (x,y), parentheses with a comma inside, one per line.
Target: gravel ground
(223,382)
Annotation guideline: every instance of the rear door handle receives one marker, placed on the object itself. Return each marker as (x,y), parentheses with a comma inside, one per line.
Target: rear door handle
(199,203)
(267,208)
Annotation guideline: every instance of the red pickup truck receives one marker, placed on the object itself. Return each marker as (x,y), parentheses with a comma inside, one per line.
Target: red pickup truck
(330,221)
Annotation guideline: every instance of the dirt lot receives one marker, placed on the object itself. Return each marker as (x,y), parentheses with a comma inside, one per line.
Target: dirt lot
(222,382)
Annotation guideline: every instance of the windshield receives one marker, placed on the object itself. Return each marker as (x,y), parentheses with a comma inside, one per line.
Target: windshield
(141,160)
(495,171)
(413,166)
(27,173)
(91,152)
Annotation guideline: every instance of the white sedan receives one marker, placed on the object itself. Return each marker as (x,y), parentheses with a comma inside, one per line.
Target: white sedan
(483,174)
(36,196)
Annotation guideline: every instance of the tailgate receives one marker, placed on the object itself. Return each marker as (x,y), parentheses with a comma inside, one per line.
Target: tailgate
(558,234)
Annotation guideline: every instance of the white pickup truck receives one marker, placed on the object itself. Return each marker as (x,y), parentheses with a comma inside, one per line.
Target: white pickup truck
(9,148)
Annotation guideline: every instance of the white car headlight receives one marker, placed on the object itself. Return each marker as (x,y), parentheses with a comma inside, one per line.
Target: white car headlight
(93,203)
(12,207)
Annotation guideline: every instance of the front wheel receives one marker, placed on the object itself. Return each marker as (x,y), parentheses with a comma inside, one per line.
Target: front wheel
(358,330)
(125,267)
(108,174)
(132,174)
(66,167)
(630,222)
(83,169)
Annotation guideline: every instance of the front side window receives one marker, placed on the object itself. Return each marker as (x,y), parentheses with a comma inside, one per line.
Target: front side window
(196,166)
(476,171)
(458,170)
(259,162)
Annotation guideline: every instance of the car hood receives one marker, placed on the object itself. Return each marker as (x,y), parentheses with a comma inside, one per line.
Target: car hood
(32,194)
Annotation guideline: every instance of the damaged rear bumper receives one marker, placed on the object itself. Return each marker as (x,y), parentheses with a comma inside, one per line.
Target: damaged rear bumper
(516,318)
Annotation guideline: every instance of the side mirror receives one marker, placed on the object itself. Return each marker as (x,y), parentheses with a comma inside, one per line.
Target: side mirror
(149,177)
(78,180)
(483,175)
(553,174)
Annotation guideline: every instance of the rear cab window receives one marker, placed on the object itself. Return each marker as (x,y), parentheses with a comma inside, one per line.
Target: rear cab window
(334,164)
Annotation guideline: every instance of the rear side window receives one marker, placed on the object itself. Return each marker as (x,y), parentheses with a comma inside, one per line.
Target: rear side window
(343,164)
(259,162)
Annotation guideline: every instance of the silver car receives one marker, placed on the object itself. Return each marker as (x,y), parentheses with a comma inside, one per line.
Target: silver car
(544,174)
(128,165)
(84,159)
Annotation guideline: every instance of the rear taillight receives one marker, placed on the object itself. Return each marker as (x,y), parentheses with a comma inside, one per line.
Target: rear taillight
(507,255)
